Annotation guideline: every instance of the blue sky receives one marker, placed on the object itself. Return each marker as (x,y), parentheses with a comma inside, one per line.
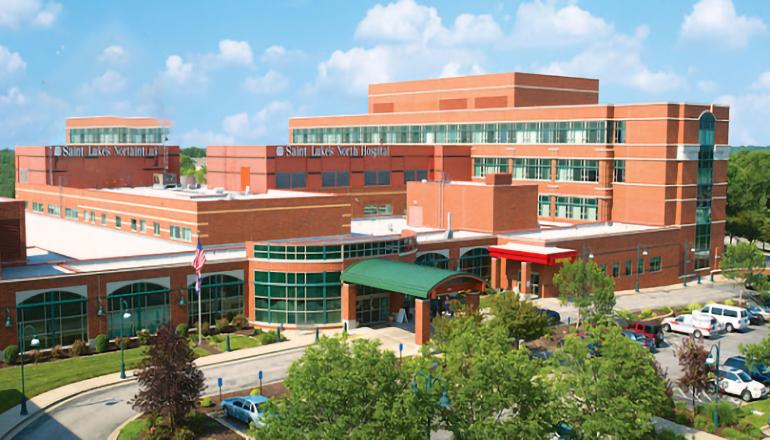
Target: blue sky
(232,72)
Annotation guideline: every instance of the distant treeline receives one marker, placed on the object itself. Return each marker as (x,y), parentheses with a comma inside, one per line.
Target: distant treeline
(7,173)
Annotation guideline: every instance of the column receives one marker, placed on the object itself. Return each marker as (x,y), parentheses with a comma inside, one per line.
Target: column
(494,273)
(349,305)
(506,276)
(421,321)
(472,300)
(525,271)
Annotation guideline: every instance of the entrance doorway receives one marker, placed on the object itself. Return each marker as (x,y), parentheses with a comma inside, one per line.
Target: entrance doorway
(372,307)
(534,282)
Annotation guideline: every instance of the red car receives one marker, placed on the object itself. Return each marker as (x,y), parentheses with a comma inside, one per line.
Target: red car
(652,331)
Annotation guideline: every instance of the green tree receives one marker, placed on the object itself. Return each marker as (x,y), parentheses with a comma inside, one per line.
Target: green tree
(7,173)
(741,262)
(521,319)
(613,395)
(585,285)
(349,390)
(495,391)
(748,194)
(757,354)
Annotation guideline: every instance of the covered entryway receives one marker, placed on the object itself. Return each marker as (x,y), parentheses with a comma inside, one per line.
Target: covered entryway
(423,283)
(527,268)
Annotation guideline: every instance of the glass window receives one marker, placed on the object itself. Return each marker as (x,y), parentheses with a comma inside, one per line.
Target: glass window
(335,178)
(476,262)
(640,266)
(117,221)
(655,264)
(577,208)
(577,170)
(532,169)
(221,295)
(378,177)
(156,228)
(629,267)
(297,298)
(415,175)
(433,259)
(544,206)
(290,180)
(620,132)
(619,171)
(59,318)
(104,219)
(134,224)
(489,165)
(148,304)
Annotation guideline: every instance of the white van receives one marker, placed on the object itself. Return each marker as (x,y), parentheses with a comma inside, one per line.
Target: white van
(731,317)
(696,325)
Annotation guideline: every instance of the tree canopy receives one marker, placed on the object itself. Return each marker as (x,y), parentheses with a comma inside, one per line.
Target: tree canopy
(588,287)
(521,319)
(742,261)
(748,194)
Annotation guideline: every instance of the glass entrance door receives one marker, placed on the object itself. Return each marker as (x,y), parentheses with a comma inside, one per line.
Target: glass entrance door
(534,281)
(372,309)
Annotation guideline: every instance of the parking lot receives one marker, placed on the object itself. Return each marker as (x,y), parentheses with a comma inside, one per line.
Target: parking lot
(729,346)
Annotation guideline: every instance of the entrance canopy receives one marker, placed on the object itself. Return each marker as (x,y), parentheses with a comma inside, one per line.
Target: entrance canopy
(547,255)
(409,279)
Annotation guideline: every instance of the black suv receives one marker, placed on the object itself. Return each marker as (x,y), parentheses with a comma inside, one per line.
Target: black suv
(760,373)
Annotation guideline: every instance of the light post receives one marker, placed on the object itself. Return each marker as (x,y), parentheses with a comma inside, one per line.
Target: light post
(643,251)
(715,415)
(686,261)
(126,315)
(33,342)
(428,382)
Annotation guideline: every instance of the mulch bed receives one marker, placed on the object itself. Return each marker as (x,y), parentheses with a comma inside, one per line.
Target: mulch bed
(270,390)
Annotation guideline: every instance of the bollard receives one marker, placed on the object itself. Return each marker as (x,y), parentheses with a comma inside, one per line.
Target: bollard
(345,327)
(698,278)
(317,334)
(278,334)
(400,350)
(260,381)
(712,277)
(227,343)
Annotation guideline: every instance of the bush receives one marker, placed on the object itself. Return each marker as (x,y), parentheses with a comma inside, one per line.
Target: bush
(206,329)
(57,352)
(703,423)
(736,435)
(239,321)
(101,343)
(144,336)
(183,433)
(223,325)
(254,392)
(257,332)
(206,402)
(121,342)
(693,306)
(669,435)
(729,414)
(79,348)
(182,329)
(729,302)
(11,354)
(268,337)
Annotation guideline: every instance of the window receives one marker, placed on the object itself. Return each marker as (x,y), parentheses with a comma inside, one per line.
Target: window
(54,210)
(134,224)
(433,259)
(156,228)
(620,132)
(186,234)
(629,267)
(59,317)
(175,232)
(619,172)
(92,217)
(117,221)
(142,225)
(615,269)
(654,264)
(104,219)
(37,207)
(415,175)
(730,313)
(384,209)
(71,213)
(603,267)
(148,304)
(381,177)
(532,169)
(544,206)
(489,165)
(23,175)
(335,178)
(476,262)
(290,180)
(297,297)
(577,170)
(577,208)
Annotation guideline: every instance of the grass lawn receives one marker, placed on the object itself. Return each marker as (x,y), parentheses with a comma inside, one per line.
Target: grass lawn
(46,376)
(759,405)
(200,424)
(133,429)
(237,341)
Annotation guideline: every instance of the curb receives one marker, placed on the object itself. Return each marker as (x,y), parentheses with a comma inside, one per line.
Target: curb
(116,433)
(21,424)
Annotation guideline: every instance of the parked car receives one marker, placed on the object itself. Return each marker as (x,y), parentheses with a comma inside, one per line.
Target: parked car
(739,383)
(247,409)
(755,318)
(763,311)
(695,325)
(653,331)
(733,318)
(554,317)
(542,354)
(646,342)
(760,373)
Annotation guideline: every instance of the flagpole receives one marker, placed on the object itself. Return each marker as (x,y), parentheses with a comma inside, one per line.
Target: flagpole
(200,322)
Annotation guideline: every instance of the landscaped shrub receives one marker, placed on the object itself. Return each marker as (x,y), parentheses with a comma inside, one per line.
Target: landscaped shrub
(729,302)
(239,321)
(729,414)
(254,392)
(79,348)
(101,343)
(735,434)
(11,354)
(693,306)
(703,423)
(206,329)
(645,313)
(144,336)
(182,329)
(223,325)
(257,332)
(206,402)
(669,435)
(184,434)
(57,352)
(268,337)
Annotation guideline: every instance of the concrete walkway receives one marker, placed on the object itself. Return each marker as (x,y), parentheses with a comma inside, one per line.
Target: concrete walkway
(390,337)
(686,431)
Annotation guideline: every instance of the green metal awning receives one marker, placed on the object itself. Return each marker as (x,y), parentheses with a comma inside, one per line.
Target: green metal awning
(406,278)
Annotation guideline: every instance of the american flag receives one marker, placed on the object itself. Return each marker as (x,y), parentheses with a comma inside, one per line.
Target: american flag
(198,261)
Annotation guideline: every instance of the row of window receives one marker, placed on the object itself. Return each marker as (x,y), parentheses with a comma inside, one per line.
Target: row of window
(567,170)
(117,135)
(330,179)
(335,252)
(297,297)
(704,190)
(564,132)
(653,266)
(176,232)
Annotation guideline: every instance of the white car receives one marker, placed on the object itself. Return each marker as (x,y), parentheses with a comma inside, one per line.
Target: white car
(694,325)
(733,318)
(738,383)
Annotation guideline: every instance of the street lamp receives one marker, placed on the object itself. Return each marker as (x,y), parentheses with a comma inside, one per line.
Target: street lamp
(33,342)
(643,251)
(715,415)
(428,382)
(8,322)
(126,315)
(686,261)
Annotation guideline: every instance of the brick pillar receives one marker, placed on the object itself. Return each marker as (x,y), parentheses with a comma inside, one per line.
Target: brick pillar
(525,270)
(506,274)
(349,305)
(472,300)
(421,321)
(494,273)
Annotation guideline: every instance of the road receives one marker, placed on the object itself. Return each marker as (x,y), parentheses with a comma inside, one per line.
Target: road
(95,414)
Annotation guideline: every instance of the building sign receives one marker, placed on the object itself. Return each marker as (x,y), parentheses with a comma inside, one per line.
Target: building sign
(331,151)
(105,151)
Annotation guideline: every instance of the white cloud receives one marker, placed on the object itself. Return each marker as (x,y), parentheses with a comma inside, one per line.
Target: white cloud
(16,13)
(278,53)
(177,70)
(10,62)
(707,86)
(718,22)
(106,83)
(617,59)
(235,52)
(748,118)
(453,68)
(544,24)
(13,96)
(113,54)
(246,127)
(270,82)
(762,82)
(199,138)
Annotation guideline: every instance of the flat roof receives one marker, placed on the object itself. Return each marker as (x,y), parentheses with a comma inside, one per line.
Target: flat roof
(534,249)
(78,241)
(332,239)
(582,231)
(375,226)
(204,193)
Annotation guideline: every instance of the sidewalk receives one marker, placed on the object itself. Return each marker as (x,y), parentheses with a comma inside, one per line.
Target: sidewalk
(390,337)
(686,431)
